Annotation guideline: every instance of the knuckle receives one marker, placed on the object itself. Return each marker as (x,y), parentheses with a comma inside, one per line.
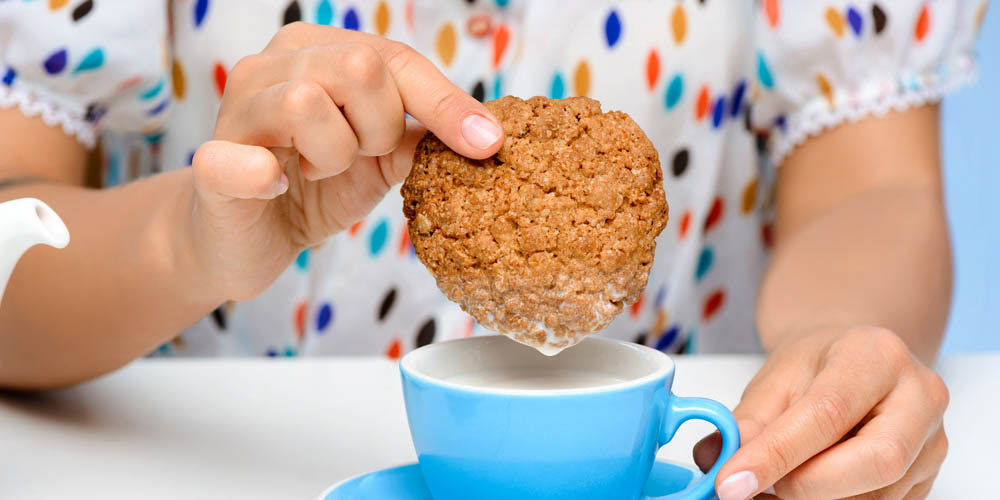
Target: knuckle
(301,97)
(397,55)
(888,346)
(937,391)
(291,31)
(245,67)
(832,411)
(891,459)
(885,339)
(381,145)
(779,454)
(444,103)
(362,64)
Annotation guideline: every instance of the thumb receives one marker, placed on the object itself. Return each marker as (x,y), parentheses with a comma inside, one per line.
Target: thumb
(226,170)
(765,399)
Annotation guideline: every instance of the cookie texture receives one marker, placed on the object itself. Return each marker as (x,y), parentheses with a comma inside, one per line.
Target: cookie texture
(549,239)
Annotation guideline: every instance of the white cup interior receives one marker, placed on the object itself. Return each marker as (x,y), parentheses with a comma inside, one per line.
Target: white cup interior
(439,363)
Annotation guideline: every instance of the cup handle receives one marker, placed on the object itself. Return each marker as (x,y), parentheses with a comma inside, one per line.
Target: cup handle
(680,410)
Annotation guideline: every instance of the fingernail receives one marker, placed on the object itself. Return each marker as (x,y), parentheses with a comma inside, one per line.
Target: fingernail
(480,132)
(280,185)
(738,486)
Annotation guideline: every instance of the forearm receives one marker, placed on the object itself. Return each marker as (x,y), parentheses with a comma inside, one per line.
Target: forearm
(127,282)
(880,257)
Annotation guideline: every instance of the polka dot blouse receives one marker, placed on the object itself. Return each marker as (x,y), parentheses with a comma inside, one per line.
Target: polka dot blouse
(725,90)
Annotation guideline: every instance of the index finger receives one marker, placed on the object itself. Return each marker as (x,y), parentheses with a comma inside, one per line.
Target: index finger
(830,408)
(455,117)
(906,425)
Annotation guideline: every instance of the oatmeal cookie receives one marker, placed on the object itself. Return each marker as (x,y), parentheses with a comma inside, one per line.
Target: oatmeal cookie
(549,239)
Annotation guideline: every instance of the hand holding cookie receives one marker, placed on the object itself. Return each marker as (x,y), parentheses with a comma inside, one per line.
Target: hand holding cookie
(310,136)
(549,239)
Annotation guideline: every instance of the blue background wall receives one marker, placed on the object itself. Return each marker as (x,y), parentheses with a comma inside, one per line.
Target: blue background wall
(972,183)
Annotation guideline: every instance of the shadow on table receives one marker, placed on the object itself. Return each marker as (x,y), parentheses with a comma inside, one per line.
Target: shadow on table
(62,406)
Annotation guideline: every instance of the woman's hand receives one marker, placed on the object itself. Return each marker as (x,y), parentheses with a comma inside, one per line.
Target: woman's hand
(310,136)
(837,413)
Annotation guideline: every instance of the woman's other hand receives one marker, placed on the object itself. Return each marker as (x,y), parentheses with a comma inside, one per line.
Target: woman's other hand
(837,413)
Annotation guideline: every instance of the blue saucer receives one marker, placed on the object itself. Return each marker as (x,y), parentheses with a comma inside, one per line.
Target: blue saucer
(407,483)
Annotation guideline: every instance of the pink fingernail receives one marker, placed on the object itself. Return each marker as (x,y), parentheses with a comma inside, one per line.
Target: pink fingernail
(281,185)
(480,132)
(738,486)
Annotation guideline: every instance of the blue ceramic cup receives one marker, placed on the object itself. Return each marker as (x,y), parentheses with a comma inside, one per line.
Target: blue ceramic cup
(493,419)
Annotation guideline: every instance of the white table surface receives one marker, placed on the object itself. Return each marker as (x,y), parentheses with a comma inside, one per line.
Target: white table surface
(268,429)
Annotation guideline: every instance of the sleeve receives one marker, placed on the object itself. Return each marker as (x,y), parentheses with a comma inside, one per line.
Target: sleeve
(820,64)
(84,65)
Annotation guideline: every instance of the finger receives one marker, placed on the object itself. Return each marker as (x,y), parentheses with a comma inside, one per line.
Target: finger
(832,405)
(917,482)
(384,171)
(296,114)
(881,452)
(358,81)
(361,187)
(354,77)
(396,165)
(225,170)
(454,116)
(765,397)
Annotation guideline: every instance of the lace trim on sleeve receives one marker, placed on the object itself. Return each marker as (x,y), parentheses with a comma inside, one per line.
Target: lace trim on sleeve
(53,113)
(876,98)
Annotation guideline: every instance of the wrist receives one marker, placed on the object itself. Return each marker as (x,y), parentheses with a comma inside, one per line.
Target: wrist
(775,333)
(823,335)
(819,332)
(182,264)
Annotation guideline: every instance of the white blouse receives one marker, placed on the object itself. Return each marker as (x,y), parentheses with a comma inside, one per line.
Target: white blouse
(724,89)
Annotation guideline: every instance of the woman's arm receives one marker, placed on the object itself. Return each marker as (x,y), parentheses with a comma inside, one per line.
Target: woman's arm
(126,282)
(851,311)
(861,236)
(310,135)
